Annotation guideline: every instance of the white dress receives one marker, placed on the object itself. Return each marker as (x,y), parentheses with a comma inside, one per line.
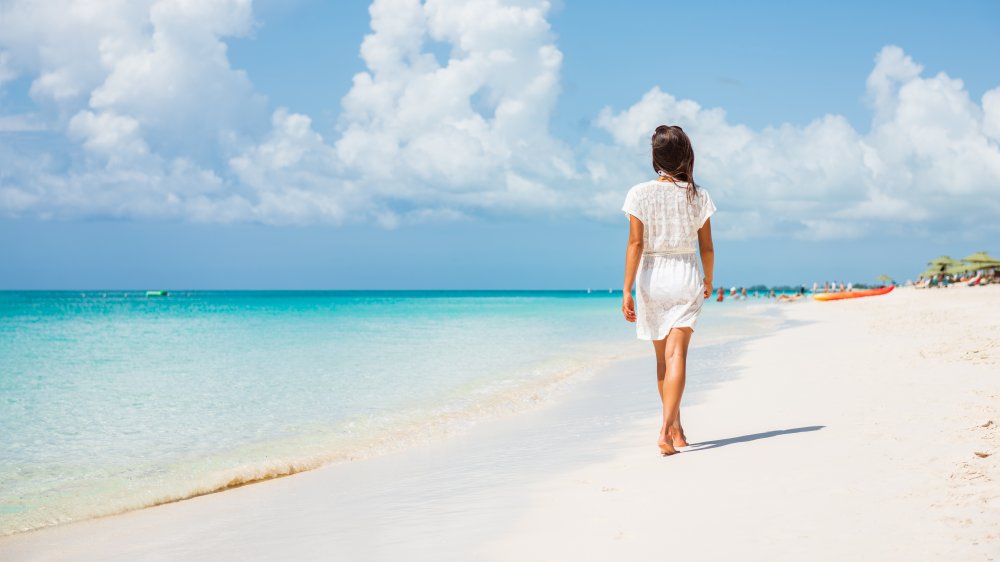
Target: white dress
(668,283)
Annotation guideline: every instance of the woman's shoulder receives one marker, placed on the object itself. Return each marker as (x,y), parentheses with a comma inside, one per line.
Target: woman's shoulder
(642,186)
(641,189)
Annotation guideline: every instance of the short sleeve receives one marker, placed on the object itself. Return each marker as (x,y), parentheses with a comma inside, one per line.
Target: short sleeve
(631,206)
(707,208)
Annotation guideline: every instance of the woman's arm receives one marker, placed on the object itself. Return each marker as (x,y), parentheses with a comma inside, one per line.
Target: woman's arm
(633,253)
(707,254)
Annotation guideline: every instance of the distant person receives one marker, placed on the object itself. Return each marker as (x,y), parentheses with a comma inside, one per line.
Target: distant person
(815,286)
(722,294)
(668,223)
(850,286)
(743,293)
(771,296)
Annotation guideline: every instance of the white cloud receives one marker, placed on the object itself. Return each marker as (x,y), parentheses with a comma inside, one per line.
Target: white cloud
(7,73)
(930,155)
(21,123)
(114,138)
(146,90)
(161,125)
(422,141)
(56,42)
(178,83)
(294,174)
(991,114)
(482,115)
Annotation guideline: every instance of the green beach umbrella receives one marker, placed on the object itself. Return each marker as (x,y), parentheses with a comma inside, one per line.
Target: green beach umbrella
(941,265)
(960,268)
(931,272)
(883,277)
(943,261)
(937,268)
(982,260)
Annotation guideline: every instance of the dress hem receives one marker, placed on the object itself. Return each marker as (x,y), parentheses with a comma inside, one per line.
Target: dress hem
(691,325)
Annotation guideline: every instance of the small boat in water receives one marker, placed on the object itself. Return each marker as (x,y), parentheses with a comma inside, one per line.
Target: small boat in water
(853,294)
(156,293)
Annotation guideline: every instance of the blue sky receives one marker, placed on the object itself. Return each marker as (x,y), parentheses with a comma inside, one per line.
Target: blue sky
(233,146)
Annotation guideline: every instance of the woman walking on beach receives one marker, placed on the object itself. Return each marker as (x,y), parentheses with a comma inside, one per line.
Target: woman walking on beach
(668,224)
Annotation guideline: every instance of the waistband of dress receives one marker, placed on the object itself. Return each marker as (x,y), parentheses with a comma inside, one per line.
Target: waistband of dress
(676,252)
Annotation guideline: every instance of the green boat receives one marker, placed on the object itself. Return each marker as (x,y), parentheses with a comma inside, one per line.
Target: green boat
(156,293)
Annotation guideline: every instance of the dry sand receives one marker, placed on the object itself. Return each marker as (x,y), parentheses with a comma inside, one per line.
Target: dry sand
(850,434)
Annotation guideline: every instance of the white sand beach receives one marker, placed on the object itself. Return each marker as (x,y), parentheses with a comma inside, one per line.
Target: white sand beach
(850,433)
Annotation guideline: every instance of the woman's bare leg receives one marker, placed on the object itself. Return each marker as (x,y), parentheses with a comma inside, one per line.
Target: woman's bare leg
(677,435)
(676,429)
(671,364)
(660,346)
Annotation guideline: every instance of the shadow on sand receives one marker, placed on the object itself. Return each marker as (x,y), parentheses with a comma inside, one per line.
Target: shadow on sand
(752,437)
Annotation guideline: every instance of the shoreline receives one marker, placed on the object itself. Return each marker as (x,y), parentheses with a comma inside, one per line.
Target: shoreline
(255,397)
(784,472)
(455,411)
(423,428)
(573,398)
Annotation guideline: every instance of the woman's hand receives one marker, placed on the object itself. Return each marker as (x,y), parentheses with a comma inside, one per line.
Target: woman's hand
(628,307)
(708,287)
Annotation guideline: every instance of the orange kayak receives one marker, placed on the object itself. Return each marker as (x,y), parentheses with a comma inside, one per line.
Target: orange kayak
(852,294)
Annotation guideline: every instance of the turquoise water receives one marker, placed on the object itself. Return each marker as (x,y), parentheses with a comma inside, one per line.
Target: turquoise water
(113,401)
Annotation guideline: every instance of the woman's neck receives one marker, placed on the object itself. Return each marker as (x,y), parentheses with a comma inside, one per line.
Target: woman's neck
(669,179)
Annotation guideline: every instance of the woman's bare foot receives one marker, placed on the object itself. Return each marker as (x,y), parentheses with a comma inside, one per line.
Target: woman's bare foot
(677,436)
(666,445)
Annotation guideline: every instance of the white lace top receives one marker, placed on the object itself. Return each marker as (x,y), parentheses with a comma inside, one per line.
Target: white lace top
(670,219)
